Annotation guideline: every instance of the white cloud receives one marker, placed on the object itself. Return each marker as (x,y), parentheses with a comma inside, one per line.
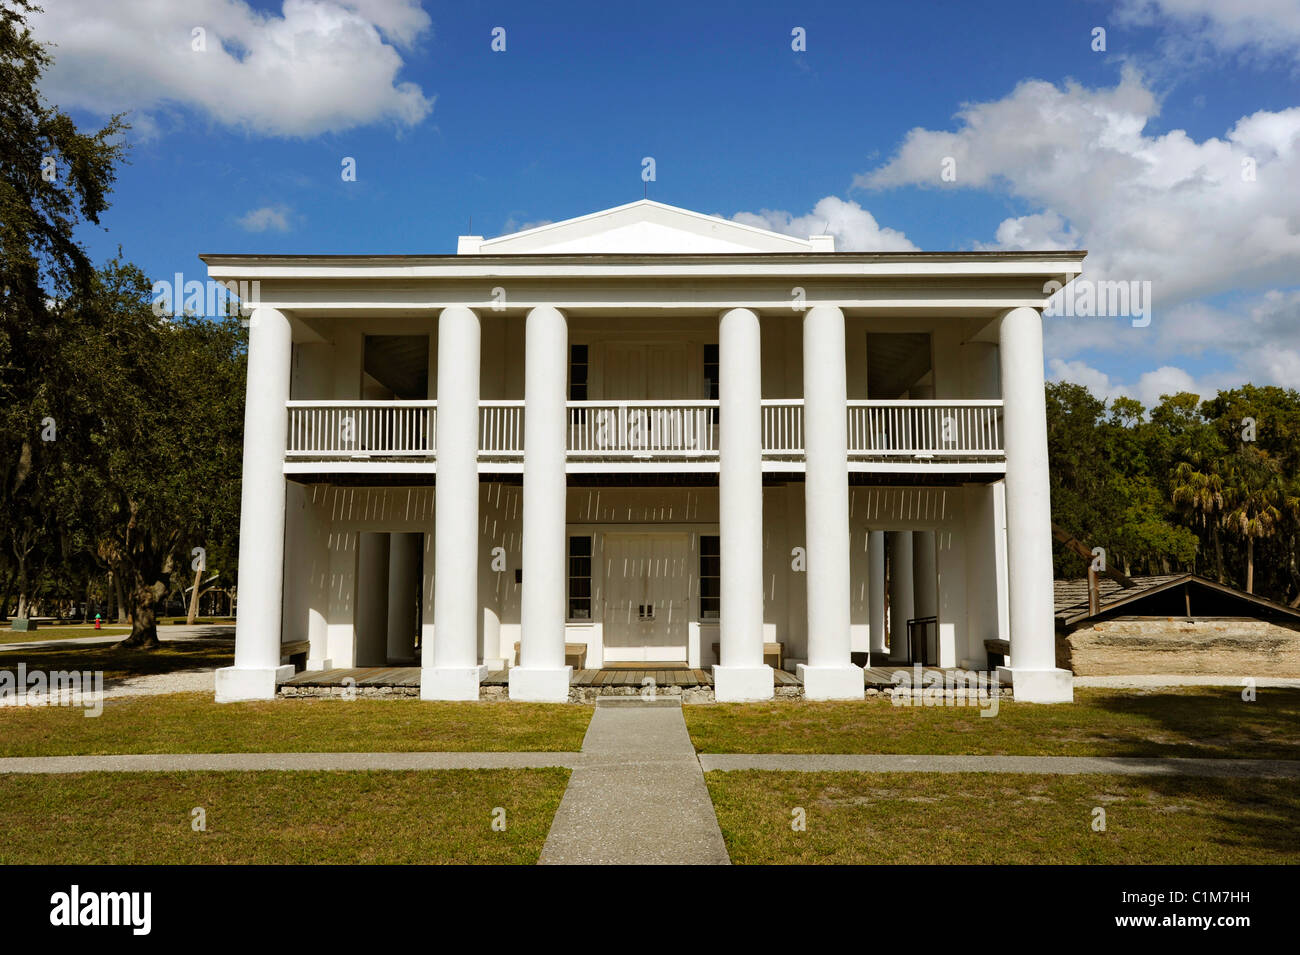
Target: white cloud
(1263,26)
(1162,208)
(319,66)
(1148,389)
(855,229)
(266,218)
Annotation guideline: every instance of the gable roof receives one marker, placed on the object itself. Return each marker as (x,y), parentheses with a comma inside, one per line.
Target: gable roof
(1071,598)
(643,227)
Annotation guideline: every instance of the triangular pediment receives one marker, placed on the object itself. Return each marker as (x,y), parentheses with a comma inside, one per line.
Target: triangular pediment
(643,227)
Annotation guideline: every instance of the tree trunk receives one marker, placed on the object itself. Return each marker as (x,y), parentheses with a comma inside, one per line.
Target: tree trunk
(144,615)
(1250,565)
(194,599)
(1218,554)
(121,598)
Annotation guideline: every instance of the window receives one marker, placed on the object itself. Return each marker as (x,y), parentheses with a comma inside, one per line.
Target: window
(577,372)
(711,371)
(579,578)
(711,380)
(710,576)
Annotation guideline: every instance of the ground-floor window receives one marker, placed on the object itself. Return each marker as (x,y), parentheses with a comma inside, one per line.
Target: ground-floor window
(580,578)
(710,576)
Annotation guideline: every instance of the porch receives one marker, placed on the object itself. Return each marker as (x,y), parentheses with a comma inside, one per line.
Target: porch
(878,678)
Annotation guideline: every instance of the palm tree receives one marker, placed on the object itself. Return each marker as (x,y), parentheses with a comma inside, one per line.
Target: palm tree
(1198,491)
(1256,495)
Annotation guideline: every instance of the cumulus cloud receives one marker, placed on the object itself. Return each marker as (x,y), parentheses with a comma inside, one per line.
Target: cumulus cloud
(318,66)
(1162,208)
(1268,27)
(1149,387)
(855,229)
(266,219)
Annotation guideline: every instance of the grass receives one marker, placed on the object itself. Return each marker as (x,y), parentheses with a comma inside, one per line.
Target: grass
(119,664)
(59,633)
(988,818)
(193,723)
(278,817)
(1201,721)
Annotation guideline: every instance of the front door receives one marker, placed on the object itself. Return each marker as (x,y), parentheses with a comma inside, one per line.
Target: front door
(647,600)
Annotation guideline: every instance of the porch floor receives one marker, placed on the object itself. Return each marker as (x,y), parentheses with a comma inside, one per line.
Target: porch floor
(876,677)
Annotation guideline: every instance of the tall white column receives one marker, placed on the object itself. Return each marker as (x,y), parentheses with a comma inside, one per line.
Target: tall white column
(829,673)
(450,669)
(876,592)
(925,597)
(1033,671)
(542,674)
(901,595)
(403,591)
(741,673)
(261,519)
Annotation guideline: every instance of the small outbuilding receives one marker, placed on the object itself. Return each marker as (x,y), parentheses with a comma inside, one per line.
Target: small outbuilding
(1174,624)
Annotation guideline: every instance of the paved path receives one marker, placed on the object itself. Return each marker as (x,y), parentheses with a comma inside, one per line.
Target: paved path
(638,796)
(200,631)
(1058,765)
(1137,681)
(175,762)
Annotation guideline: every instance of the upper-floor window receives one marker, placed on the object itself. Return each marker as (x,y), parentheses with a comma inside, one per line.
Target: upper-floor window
(578,372)
(711,371)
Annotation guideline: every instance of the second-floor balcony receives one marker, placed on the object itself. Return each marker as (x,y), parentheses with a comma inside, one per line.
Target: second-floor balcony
(885,436)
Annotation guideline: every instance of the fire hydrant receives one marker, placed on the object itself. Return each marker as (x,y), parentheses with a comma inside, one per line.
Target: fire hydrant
(98,622)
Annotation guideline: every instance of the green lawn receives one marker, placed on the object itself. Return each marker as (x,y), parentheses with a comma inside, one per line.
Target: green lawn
(278,817)
(990,818)
(193,723)
(1200,721)
(119,664)
(58,633)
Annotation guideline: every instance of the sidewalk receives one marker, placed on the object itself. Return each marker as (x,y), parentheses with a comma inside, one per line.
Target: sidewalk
(638,796)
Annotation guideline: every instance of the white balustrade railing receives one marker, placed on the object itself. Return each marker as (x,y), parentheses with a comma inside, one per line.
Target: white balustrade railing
(642,429)
(925,428)
(919,430)
(501,429)
(344,429)
(782,427)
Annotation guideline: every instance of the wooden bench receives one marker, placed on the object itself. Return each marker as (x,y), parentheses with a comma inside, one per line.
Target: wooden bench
(297,653)
(575,655)
(998,651)
(773,654)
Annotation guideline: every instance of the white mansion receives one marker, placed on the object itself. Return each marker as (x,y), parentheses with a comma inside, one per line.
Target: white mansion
(645,436)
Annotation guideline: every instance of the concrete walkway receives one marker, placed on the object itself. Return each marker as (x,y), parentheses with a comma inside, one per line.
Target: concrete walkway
(638,796)
(1053,765)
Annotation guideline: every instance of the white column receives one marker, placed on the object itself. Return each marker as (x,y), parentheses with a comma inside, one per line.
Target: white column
(741,673)
(876,592)
(925,602)
(1033,671)
(542,674)
(829,673)
(261,520)
(403,591)
(450,669)
(901,596)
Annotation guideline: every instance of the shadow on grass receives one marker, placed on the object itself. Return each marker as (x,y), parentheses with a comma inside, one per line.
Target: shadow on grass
(119,664)
(1206,721)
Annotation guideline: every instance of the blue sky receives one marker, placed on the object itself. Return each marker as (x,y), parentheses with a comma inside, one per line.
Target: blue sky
(1133,152)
